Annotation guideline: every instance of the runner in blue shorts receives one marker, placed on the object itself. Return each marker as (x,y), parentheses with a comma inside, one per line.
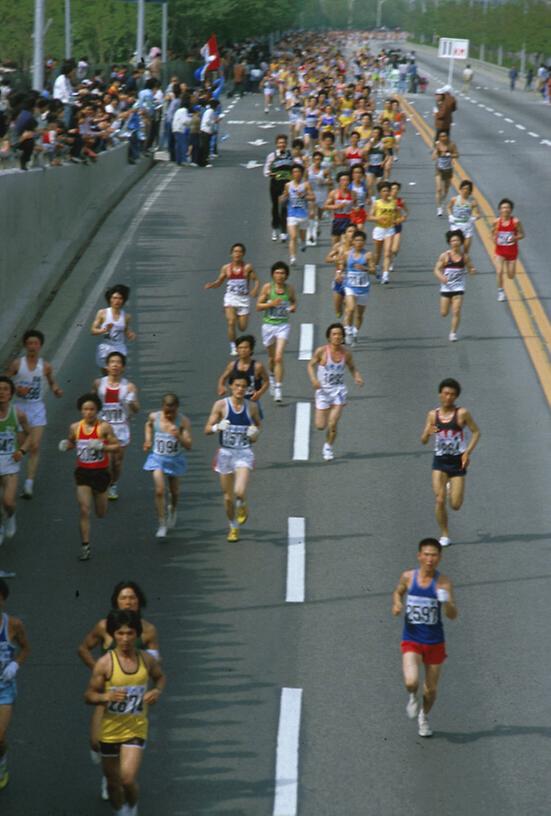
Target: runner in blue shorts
(166,433)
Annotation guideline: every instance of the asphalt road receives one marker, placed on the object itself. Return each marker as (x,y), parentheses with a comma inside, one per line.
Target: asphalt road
(229,640)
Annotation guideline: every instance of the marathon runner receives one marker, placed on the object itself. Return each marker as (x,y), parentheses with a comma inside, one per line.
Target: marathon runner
(427,592)
(277,300)
(395,189)
(245,364)
(297,194)
(463,212)
(237,422)
(358,265)
(451,268)
(341,202)
(337,255)
(326,372)
(452,454)
(384,212)
(238,277)
(320,182)
(28,373)
(119,684)
(14,650)
(14,444)
(507,231)
(166,433)
(277,168)
(444,153)
(119,398)
(113,325)
(94,439)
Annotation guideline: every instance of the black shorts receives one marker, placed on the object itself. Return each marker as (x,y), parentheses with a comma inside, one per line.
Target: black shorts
(113,749)
(376,170)
(444,174)
(98,479)
(459,293)
(450,465)
(339,225)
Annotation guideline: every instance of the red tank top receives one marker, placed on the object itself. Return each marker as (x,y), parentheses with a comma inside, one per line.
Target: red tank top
(237,281)
(90,458)
(506,234)
(344,204)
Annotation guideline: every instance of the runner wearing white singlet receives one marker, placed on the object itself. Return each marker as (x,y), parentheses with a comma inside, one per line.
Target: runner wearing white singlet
(463,212)
(320,182)
(120,400)
(451,270)
(14,434)
(113,324)
(29,373)
(326,371)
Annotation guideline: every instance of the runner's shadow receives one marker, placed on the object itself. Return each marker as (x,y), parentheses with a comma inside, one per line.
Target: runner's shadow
(499,731)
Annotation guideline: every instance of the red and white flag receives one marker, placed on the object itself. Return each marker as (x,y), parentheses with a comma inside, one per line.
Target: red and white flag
(210,54)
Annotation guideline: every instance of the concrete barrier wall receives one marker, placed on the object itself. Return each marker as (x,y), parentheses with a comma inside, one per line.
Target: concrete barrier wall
(46,219)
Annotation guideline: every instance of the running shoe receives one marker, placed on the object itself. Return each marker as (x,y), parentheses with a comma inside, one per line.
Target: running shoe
(452,337)
(385,278)
(444,541)
(501,296)
(233,534)
(161,532)
(439,212)
(241,513)
(27,489)
(11,526)
(412,708)
(292,261)
(112,493)
(277,393)
(233,350)
(274,235)
(423,723)
(327,452)
(172,518)
(283,237)
(85,554)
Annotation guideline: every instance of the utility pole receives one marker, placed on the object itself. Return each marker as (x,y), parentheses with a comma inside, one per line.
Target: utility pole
(164,34)
(379,12)
(68,38)
(38,46)
(140,32)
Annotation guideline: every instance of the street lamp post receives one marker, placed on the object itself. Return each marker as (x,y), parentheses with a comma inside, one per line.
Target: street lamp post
(140,33)
(68,44)
(38,46)
(164,34)
(379,12)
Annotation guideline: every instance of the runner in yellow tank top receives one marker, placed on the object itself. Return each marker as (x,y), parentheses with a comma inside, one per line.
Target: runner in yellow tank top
(119,683)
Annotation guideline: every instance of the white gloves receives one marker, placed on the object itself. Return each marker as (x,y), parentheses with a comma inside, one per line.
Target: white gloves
(223,425)
(63,445)
(252,431)
(443,595)
(10,671)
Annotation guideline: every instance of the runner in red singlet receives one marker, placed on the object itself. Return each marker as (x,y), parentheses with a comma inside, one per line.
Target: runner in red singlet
(507,231)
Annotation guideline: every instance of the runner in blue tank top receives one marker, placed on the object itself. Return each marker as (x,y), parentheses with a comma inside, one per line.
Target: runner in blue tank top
(14,649)
(427,593)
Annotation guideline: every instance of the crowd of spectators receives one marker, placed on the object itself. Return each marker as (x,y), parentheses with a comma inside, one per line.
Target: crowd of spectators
(80,116)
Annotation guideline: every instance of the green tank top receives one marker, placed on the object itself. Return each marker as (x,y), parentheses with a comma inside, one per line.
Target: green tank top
(9,428)
(277,315)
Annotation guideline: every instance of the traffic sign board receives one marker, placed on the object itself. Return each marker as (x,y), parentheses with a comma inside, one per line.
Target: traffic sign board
(450,48)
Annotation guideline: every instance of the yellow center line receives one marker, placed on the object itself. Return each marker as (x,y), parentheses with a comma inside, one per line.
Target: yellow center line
(527,310)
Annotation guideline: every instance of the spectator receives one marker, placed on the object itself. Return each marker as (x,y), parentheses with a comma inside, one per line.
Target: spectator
(529,79)
(82,68)
(468,74)
(63,90)
(180,128)
(24,128)
(444,110)
(239,75)
(513,74)
(208,121)
(194,133)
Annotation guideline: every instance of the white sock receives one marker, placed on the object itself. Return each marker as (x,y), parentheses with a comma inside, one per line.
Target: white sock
(238,502)
(348,330)
(354,330)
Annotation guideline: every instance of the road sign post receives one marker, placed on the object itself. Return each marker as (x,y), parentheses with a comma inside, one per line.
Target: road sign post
(452,49)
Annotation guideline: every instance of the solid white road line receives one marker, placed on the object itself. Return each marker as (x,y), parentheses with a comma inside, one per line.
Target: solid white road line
(301,445)
(288,736)
(309,280)
(83,315)
(306,342)
(296,558)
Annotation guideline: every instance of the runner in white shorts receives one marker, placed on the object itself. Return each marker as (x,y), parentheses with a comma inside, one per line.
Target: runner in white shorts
(277,300)
(358,265)
(238,277)
(113,324)
(120,400)
(237,421)
(326,372)
(29,373)
(384,212)
(463,212)
(14,443)
(297,194)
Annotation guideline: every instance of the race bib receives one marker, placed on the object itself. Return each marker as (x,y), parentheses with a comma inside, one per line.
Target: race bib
(165,444)
(420,610)
(114,413)
(238,287)
(87,454)
(7,443)
(132,704)
(448,445)
(235,437)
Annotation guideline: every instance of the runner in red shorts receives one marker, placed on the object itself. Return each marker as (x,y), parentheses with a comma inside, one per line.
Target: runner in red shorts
(507,231)
(427,592)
